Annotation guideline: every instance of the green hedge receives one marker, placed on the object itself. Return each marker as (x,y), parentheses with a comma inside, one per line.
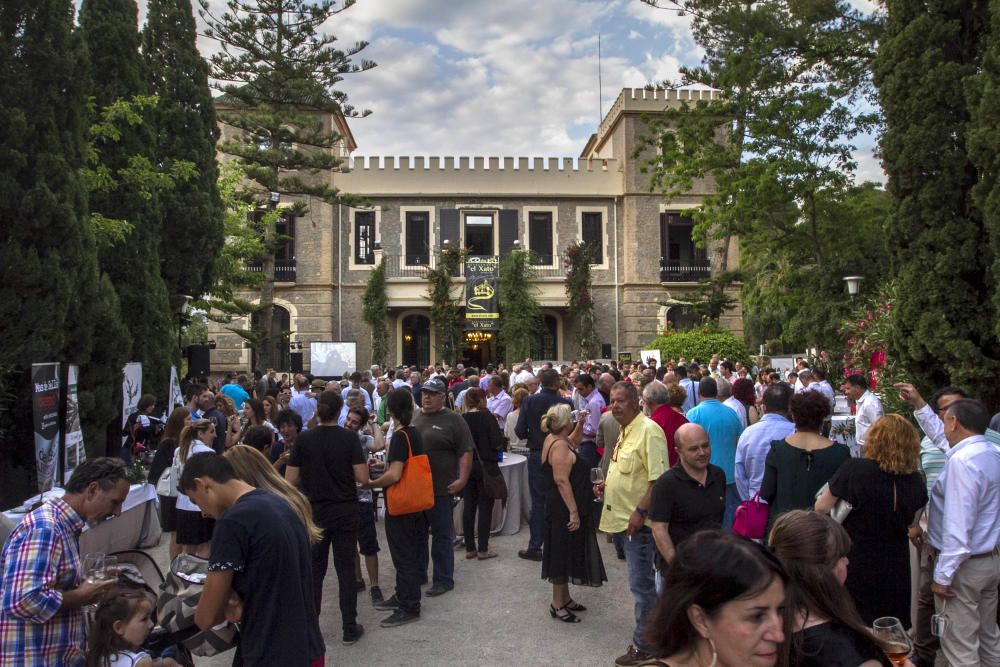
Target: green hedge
(701,345)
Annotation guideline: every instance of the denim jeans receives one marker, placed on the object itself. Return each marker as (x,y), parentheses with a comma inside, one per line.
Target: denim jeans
(442,550)
(639,553)
(536,520)
(407,538)
(732,502)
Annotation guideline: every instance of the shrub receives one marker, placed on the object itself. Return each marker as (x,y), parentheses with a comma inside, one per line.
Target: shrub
(701,344)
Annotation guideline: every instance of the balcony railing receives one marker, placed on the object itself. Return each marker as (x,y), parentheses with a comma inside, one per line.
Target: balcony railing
(284,269)
(684,271)
(417,266)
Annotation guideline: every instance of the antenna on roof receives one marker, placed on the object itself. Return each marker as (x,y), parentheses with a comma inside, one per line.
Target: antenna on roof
(600,86)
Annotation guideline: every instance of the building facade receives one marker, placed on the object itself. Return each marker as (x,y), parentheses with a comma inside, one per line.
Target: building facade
(645,255)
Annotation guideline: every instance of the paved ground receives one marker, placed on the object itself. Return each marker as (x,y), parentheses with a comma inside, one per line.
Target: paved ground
(496,615)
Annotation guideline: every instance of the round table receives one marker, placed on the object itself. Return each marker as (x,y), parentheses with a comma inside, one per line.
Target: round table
(506,520)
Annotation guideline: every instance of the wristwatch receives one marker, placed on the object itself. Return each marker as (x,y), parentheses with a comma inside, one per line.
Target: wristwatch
(643,513)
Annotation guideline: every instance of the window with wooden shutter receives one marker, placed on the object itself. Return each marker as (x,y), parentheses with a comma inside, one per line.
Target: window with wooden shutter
(508,230)
(364,237)
(418,238)
(592,233)
(540,238)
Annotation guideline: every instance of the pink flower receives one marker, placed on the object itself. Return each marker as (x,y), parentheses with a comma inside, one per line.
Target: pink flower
(861,324)
(869,315)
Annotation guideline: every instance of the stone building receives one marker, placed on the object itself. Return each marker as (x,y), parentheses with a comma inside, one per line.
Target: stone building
(487,204)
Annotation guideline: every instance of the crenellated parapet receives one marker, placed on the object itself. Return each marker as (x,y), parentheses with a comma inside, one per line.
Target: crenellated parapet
(475,175)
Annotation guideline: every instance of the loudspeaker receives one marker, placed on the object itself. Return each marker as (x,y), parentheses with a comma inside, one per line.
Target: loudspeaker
(605,350)
(295,362)
(199,363)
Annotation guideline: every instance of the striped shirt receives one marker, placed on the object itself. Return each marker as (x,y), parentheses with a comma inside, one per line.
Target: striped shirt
(40,561)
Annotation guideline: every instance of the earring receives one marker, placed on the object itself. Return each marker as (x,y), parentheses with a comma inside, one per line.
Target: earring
(715,654)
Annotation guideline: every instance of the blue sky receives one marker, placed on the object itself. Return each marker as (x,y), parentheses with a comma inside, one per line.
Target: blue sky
(510,77)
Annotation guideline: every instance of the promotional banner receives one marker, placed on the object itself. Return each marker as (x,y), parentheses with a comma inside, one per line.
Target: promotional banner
(45,406)
(75,452)
(646,355)
(176,398)
(482,305)
(131,389)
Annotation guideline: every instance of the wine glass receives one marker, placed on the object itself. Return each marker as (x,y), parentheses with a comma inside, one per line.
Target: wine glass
(596,477)
(897,643)
(93,568)
(110,570)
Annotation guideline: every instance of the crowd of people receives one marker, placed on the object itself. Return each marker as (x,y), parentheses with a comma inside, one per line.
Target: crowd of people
(659,458)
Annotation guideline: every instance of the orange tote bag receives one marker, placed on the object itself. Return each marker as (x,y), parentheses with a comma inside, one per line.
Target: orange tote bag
(414,492)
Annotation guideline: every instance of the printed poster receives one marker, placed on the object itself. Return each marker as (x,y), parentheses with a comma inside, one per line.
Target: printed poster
(646,355)
(176,398)
(131,390)
(75,452)
(45,407)
(482,304)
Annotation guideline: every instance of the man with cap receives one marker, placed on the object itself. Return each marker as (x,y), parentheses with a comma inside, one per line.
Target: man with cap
(448,443)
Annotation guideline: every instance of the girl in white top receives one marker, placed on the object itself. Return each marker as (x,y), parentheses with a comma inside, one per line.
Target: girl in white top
(194,532)
(121,625)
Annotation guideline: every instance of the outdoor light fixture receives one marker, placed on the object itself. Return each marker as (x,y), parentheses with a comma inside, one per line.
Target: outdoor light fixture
(517,244)
(446,243)
(211,344)
(477,337)
(408,338)
(274,197)
(377,246)
(853,284)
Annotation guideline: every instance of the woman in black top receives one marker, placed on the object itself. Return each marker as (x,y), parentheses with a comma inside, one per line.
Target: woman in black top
(405,533)
(885,490)
(489,442)
(827,629)
(176,422)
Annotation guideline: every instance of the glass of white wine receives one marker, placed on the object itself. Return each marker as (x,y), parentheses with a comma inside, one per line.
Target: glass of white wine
(596,477)
(896,643)
(93,568)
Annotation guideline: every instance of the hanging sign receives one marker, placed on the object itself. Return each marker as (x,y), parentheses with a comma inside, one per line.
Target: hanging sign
(75,453)
(482,305)
(45,406)
(131,388)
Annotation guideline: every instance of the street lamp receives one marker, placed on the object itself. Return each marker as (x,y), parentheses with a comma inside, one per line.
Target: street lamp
(853,285)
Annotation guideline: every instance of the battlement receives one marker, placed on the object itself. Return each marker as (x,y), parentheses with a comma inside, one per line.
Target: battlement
(475,175)
(648,100)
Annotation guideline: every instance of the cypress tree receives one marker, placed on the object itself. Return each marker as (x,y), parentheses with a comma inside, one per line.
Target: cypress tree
(935,232)
(110,29)
(191,235)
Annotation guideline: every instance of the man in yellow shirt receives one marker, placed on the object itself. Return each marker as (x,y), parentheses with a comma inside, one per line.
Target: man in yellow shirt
(637,461)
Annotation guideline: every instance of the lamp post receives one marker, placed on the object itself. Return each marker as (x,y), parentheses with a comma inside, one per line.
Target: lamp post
(182,301)
(853,285)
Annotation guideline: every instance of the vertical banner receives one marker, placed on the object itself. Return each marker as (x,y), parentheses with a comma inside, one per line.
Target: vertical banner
(75,452)
(45,406)
(174,393)
(482,305)
(646,355)
(131,389)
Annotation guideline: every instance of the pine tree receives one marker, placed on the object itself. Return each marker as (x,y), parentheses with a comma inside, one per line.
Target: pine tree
(133,263)
(191,234)
(936,234)
(280,77)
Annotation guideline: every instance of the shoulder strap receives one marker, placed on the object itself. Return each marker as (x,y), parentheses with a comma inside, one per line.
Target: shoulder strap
(409,445)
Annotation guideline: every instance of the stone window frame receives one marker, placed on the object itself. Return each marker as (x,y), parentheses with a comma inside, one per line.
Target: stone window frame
(351,212)
(604,211)
(526,241)
(431,212)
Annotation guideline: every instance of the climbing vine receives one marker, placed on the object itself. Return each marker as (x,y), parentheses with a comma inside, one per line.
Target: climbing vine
(375,312)
(446,312)
(520,316)
(580,297)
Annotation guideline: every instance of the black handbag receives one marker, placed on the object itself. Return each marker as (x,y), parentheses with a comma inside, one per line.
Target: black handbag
(494,486)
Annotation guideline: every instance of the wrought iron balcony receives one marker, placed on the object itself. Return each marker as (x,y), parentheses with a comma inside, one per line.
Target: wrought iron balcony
(417,266)
(284,269)
(684,271)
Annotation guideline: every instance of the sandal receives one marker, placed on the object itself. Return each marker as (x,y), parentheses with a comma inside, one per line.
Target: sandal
(566,617)
(471,554)
(572,605)
(484,555)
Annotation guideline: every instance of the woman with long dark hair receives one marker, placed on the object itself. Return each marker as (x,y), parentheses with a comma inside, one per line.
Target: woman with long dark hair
(827,631)
(194,531)
(489,443)
(176,422)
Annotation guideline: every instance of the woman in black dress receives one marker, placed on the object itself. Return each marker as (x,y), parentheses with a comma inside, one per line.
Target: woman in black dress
(798,466)
(178,419)
(489,442)
(569,544)
(827,631)
(885,490)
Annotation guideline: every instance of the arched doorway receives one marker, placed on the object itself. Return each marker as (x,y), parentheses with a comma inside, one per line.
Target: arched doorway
(416,341)
(680,318)
(546,345)
(280,328)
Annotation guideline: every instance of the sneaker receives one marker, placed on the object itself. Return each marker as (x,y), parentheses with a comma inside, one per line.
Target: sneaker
(399,617)
(391,603)
(352,636)
(635,658)
(437,589)
(530,554)
(376,595)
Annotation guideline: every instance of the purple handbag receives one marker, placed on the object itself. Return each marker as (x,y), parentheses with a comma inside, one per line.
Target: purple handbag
(751,518)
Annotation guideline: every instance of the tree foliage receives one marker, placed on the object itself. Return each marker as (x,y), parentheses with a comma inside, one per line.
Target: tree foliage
(186,129)
(520,314)
(580,298)
(375,312)
(279,75)
(446,312)
(701,344)
(939,244)
(777,144)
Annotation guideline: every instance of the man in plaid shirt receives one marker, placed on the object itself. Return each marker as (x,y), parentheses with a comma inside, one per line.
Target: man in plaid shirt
(42,589)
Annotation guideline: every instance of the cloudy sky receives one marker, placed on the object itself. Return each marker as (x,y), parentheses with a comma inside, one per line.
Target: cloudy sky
(512,78)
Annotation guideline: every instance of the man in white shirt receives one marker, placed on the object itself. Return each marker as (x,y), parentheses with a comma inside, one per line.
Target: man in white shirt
(727,398)
(822,385)
(690,386)
(869,409)
(524,375)
(755,442)
(964,530)
(498,401)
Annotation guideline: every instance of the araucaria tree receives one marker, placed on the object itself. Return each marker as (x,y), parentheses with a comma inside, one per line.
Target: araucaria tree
(778,143)
(279,75)
(520,316)
(940,250)
(125,183)
(186,129)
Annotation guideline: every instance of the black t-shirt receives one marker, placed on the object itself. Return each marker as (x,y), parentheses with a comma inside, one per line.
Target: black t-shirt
(280,625)
(325,457)
(834,645)
(686,505)
(445,437)
(398,449)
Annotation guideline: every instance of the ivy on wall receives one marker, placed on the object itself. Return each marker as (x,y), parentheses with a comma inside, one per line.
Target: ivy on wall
(375,312)
(580,297)
(446,311)
(520,316)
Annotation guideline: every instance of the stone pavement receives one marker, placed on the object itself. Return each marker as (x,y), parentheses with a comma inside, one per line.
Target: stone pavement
(496,615)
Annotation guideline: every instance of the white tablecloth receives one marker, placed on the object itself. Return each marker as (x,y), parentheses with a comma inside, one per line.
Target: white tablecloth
(507,520)
(138,525)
